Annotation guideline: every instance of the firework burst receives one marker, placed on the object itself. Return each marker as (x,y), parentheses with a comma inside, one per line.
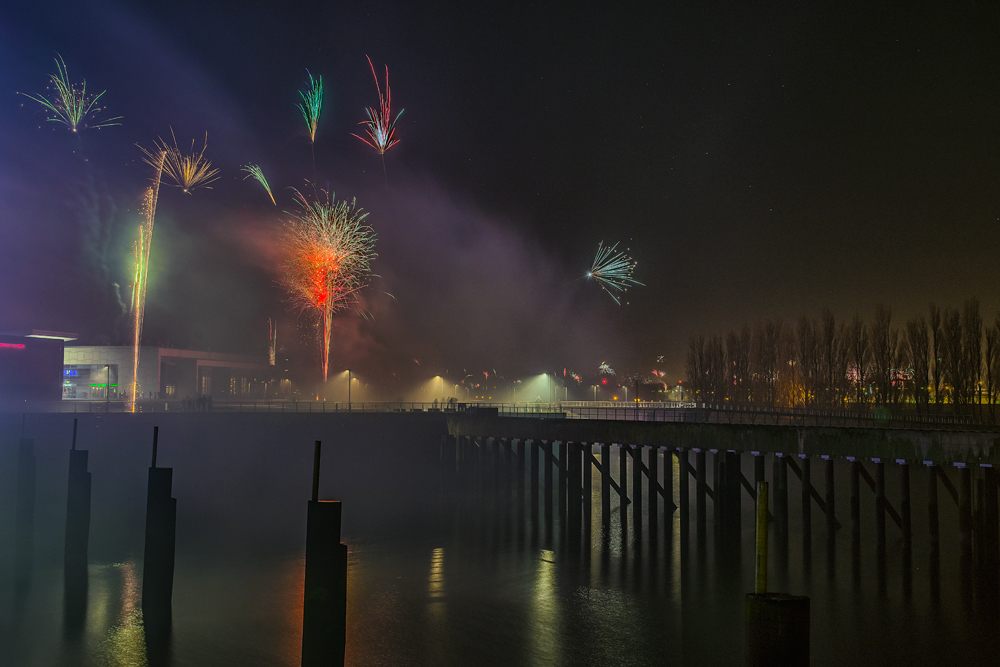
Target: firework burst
(70,104)
(312,104)
(613,271)
(187,171)
(381,126)
(253,171)
(329,250)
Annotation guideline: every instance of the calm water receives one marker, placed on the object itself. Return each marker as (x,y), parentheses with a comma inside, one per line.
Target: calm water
(436,582)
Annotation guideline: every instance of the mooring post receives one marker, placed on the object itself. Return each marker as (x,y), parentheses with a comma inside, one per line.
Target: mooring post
(497,469)
(24,518)
(324,609)
(652,482)
(991,533)
(605,484)
(547,447)
(77,537)
(758,468)
(636,487)
(158,555)
(575,491)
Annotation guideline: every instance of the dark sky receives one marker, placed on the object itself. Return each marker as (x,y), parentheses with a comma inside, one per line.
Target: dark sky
(759,161)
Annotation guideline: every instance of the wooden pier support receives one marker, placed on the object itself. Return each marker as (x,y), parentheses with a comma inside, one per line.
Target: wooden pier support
(587,450)
(907,526)
(324,610)
(623,485)
(780,476)
(77,537)
(856,519)
(574,488)
(683,490)
(668,491)
(547,496)
(777,630)
(636,452)
(652,486)
(534,453)
(933,530)
(605,484)
(563,468)
(806,501)
(24,517)
(831,502)
(158,555)
(701,492)
(965,529)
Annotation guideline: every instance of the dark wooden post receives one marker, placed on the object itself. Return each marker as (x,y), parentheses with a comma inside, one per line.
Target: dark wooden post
(683,489)
(933,527)
(497,472)
(831,497)
(24,517)
(547,496)
(575,490)
(520,478)
(77,536)
(623,484)
(668,490)
(880,522)
(965,528)
(324,612)
(158,555)
(564,448)
(652,479)
(777,630)
(806,508)
(636,487)
(605,484)
(535,451)
(588,484)
(700,491)
(906,520)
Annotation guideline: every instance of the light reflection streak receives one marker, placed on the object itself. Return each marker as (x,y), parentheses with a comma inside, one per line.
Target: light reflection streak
(545,613)
(675,546)
(125,644)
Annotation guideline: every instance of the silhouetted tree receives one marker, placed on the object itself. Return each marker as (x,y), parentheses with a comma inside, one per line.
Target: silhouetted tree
(738,364)
(917,346)
(937,370)
(860,355)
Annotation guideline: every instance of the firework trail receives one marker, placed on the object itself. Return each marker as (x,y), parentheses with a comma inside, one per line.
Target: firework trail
(140,254)
(329,251)
(272,342)
(254,171)
(381,126)
(312,105)
(187,172)
(70,105)
(613,270)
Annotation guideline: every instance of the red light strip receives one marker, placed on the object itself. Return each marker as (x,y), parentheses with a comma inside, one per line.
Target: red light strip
(16,346)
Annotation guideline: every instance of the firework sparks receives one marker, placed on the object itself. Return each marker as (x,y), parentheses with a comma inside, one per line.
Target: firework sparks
(613,271)
(604,369)
(254,171)
(312,104)
(329,251)
(188,172)
(381,126)
(70,105)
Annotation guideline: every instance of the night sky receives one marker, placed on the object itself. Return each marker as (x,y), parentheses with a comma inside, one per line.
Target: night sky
(759,162)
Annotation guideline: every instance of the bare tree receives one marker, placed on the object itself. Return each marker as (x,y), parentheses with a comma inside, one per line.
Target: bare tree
(827,343)
(952,359)
(764,360)
(694,365)
(972,349)
(738,363)
(917,346)
(715,370)
(990,362)
(937,370)
(808,354)
(860,354)
(884,341)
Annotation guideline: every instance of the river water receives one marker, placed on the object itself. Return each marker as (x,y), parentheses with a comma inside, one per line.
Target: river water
(439,578)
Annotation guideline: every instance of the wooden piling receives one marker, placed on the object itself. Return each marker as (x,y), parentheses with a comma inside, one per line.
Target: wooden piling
(905,518)
(158,554)
(588,484)
(535,453)
(547,448)
(564,448)
(668,490)
(521,461)
(324,609)
(623,484)
(831,497)
(652,484)
(701,494)
(636,487)
(77,538)
(605,484)
(683,489)
(760,561)
(806,500)
(776,630)
(24,514)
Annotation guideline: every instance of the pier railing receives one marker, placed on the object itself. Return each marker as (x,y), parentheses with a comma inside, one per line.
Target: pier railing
(689,412)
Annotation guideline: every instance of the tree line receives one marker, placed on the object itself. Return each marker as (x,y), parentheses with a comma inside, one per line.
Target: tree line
(942,357)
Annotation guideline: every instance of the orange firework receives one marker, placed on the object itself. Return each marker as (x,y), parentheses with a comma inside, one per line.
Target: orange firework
(329,251)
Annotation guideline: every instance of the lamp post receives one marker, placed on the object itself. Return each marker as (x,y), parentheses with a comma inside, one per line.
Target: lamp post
(348,389)
(107,392)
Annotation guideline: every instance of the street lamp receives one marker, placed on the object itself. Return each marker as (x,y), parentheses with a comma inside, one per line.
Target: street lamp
(348,389)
